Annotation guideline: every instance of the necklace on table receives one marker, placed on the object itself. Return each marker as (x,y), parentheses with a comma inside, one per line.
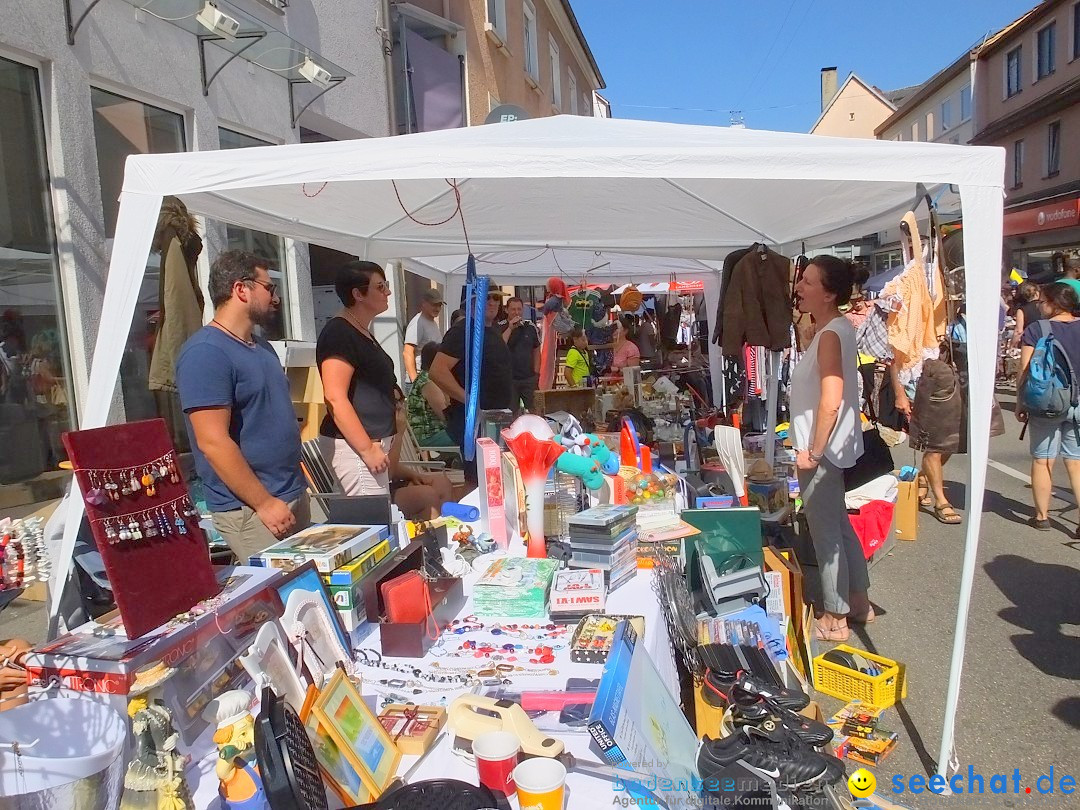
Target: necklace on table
(249,343)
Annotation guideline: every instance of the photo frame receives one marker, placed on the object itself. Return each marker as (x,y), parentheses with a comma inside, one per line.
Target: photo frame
(267,662)
(357,732)
(339,773)
(308,578)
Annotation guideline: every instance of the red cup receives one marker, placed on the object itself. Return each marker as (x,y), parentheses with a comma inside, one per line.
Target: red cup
(496,757)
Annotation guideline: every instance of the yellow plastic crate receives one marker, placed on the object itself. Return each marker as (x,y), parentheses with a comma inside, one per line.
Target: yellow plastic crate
(848,684)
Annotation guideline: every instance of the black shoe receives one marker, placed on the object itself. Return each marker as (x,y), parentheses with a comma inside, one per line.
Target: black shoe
(721,690)
(768,717)
(779,754)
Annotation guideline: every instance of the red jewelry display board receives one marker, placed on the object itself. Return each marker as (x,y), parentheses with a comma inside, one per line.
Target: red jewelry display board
(145,525)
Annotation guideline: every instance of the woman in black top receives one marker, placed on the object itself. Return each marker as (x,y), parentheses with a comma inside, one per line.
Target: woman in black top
(1028,312)
(358,383)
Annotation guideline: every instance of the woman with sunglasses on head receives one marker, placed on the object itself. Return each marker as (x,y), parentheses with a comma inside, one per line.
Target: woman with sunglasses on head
(827,432)
(358,384)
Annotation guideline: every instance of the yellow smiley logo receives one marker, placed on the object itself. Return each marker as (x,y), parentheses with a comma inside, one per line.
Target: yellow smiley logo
(861,783)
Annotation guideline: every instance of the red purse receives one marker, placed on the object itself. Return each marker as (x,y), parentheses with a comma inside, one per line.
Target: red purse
(406,598)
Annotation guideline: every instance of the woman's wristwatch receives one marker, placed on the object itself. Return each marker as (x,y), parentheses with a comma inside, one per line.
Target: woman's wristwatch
(814,457)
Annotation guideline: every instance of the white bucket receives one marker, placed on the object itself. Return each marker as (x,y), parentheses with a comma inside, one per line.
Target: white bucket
(70,755)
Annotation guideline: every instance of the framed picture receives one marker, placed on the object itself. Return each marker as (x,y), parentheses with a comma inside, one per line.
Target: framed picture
(359,735)
(308,578)
(339,773)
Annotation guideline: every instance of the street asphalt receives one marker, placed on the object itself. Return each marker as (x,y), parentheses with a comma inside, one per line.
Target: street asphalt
(1020,693)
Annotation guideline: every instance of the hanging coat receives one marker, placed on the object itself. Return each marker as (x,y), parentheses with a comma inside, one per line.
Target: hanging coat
(180,301)
(757,303)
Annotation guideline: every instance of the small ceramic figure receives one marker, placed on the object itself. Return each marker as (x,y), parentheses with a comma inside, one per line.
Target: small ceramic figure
(241,787)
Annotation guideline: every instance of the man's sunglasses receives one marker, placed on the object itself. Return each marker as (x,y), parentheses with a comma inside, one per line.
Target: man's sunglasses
(266,285)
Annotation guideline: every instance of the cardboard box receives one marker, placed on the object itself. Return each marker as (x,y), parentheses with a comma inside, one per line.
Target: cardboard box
(329,545)
(344,583)
(492,492)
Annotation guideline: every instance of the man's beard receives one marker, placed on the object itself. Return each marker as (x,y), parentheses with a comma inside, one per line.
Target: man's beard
(264,318)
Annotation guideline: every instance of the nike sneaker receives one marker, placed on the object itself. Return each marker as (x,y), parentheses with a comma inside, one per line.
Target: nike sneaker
(745,689)
(769,717)
(778,754)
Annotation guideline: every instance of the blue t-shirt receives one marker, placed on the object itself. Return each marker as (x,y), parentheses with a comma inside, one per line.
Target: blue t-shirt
(215,370)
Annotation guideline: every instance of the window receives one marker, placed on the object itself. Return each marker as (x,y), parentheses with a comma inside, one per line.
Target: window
(556,73)
(915,131)
(571,90)
(965,103)
(532,59)
(496,17)
(266,245)
(1046,40)
(122,127)
(1013,73)
(1076,32)
(35,390)
(930,126)
(1018,164)
(946,115)
(1053,148)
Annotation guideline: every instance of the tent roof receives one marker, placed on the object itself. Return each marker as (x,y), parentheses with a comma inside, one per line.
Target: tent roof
(615,185)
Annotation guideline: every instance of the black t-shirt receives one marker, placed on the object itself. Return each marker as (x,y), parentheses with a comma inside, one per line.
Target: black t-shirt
(523,341)
(1032,312)
(371,389)
(496,378)
(1066,333)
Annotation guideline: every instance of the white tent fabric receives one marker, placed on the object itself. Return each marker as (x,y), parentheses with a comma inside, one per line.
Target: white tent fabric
(573,182)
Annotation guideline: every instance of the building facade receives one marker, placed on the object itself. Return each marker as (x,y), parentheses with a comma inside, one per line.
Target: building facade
(854,110)
(1027,100)
(529,54)
(939,111)
(82,86)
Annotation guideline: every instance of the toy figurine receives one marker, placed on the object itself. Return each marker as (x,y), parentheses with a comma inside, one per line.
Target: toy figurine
(587,456)
(241,786)
(155,776)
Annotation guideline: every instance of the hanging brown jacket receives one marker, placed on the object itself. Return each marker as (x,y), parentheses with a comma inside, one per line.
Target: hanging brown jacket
(757,302)
(180,301)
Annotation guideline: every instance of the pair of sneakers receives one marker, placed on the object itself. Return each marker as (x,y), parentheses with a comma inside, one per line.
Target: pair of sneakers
(780,754)
(757,704)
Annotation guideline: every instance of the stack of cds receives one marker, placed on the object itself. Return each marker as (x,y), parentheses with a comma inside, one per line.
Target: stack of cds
(605,537)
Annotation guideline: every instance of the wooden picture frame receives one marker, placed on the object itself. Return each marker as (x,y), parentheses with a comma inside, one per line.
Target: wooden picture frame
(358,734)
(340,775)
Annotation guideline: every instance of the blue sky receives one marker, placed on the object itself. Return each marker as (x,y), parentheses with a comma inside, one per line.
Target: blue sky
(764,57)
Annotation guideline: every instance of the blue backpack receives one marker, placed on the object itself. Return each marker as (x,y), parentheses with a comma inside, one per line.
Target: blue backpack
(1050,387)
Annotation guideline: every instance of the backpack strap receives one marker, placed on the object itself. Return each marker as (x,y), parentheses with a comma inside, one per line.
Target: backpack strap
(1044,328)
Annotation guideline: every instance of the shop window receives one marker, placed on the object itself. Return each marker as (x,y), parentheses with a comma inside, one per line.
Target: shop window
(1053,149)
(532,59)
(1046,41)
(556,74)
(35,378)
(571,90)
(123,127)
(965,103)
(1013,71)
(266,245)
(1018,164)
(946,115)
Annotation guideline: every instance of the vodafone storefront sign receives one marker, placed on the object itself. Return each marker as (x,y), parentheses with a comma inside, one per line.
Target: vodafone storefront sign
(1061,214)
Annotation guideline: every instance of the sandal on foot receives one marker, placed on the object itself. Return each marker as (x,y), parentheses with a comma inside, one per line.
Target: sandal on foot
(946,514)
(926,500)
(837,636)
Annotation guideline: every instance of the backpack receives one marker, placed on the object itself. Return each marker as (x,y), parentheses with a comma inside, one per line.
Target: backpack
(1050,386)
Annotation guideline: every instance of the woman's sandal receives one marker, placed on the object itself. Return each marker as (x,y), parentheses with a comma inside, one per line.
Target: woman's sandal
(837,636)
(947,515)
(863,618)
(926,500)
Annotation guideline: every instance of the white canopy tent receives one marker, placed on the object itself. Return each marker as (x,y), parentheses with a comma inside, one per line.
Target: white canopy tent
(573,182)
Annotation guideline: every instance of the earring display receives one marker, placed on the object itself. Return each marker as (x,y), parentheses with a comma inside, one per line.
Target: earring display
(144,521)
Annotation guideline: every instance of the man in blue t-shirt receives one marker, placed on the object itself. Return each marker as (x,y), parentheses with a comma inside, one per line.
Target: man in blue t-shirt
(239,415)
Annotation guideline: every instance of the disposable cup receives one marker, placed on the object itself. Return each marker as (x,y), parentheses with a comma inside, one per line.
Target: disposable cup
(496,756)
(541,783)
